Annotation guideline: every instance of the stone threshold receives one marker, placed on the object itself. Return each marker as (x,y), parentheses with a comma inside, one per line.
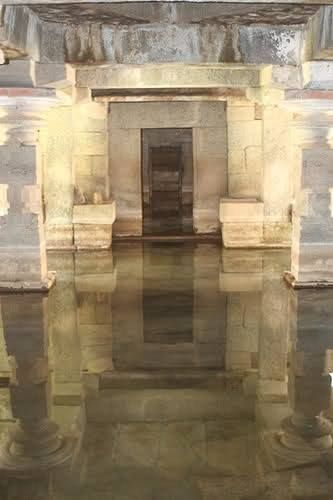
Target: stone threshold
(28,286)
(260,246)
(297,285)
(167,237)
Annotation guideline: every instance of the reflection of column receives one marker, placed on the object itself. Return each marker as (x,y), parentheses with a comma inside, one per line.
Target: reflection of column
(127,314)
(22,241)
(34,443)
(273,340)
(306,434)
(209,308)
(95,279)
(241,278)
(63,331)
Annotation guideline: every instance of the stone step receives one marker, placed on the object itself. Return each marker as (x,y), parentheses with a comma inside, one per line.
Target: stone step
(166,405)
(168,379)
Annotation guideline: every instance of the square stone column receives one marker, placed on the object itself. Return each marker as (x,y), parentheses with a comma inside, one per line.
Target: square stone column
(22,241)
(312,221)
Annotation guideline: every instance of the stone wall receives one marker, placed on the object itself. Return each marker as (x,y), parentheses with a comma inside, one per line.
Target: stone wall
(260,173)
(245,159)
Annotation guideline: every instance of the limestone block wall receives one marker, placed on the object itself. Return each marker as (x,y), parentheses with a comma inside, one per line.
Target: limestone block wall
(260,168)
(277,184)
(90,162)
(245,155)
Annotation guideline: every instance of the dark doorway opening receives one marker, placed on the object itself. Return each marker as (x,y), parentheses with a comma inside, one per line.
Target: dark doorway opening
(167,180)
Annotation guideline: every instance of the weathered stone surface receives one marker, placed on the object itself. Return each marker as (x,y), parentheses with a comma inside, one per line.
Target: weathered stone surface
(242,222)
(165,75)
(92,236)
(278,45)
(312,221)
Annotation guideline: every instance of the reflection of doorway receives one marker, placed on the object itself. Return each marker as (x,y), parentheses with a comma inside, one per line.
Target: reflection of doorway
(167,174)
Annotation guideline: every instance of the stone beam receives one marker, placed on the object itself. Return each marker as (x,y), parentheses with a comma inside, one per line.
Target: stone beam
(168,76)
(22,241)
(32,2)
(321,33)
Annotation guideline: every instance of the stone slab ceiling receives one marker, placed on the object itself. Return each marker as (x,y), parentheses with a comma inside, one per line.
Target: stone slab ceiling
(175,13)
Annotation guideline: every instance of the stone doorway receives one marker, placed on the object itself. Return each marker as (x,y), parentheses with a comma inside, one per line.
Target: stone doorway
(167,181)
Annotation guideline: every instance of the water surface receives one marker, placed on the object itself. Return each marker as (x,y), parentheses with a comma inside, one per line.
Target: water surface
(173,371)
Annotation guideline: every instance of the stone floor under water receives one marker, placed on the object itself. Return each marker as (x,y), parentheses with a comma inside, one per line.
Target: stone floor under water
(171,370)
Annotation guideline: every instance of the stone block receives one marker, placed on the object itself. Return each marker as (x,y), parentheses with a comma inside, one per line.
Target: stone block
(318,75)
(253,159)
(270,44)
(240,113)
(241,210)
(93,225)
(90,117)
(236,161)
(88,236)
(82,165)
(59,236)
(237,235)
(104,213)
(90,143)
(175,115)
(245,185)
(246,133)
(242,222)
(277,234)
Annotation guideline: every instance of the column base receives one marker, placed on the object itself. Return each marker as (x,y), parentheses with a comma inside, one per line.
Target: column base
(278,457)
(28,286)
(291,281)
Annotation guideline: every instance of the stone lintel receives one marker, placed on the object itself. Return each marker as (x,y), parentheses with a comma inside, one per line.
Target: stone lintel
(111,76)
(231,95)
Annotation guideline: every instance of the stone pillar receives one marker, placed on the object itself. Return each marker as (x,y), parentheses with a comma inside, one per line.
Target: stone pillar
(59,178)
(34,444)
(22,241)
(277,176)
(312,232)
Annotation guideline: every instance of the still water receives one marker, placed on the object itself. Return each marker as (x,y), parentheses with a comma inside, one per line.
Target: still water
(173,371)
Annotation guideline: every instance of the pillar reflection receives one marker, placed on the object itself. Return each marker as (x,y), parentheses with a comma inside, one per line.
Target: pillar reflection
(34,444)
(305,436)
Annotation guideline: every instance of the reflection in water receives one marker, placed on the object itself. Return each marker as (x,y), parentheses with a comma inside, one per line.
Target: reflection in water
(182,355)
(33,444)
